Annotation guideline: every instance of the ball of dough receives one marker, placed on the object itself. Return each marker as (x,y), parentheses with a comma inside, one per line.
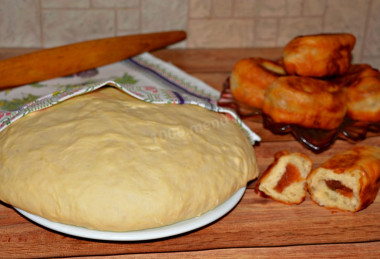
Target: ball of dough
(108,161)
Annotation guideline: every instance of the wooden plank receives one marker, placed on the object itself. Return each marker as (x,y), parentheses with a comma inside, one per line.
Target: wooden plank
(213,60)
(257,226)
(255,222)
(358,250)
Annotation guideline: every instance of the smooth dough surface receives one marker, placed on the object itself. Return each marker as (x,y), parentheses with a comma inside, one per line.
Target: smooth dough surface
(108,161)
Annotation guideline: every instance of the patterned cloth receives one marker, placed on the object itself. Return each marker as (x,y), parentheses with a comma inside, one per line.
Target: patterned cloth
(144,77)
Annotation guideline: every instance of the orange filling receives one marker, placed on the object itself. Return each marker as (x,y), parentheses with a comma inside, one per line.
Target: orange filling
(339,187)
(290,176)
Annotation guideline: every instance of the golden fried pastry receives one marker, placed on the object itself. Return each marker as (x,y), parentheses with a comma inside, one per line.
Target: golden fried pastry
(305,101)
(348,181)
(285,179)
(319,55)
(250,77)
(362,87)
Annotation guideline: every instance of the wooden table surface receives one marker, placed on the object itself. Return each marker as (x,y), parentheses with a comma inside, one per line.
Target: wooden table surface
(255,227)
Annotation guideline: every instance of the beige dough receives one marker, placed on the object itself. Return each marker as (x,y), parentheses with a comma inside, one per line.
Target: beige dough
(108,161)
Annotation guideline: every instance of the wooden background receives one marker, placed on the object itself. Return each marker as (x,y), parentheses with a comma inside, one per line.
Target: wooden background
(256,227)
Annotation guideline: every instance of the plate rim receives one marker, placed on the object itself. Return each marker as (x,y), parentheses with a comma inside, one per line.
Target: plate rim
(145,234)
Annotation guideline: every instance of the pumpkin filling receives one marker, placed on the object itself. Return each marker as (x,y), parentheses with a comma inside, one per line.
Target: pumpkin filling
(339,187)
(290,176)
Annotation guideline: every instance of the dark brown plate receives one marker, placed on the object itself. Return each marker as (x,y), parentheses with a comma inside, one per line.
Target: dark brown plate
(317,140)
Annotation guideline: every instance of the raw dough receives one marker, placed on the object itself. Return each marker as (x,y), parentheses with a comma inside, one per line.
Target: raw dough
(108,161)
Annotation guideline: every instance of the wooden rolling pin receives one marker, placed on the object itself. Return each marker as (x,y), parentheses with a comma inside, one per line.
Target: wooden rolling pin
(65,60)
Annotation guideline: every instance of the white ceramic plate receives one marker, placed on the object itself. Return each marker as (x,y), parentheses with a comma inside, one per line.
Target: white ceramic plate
(146,234)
